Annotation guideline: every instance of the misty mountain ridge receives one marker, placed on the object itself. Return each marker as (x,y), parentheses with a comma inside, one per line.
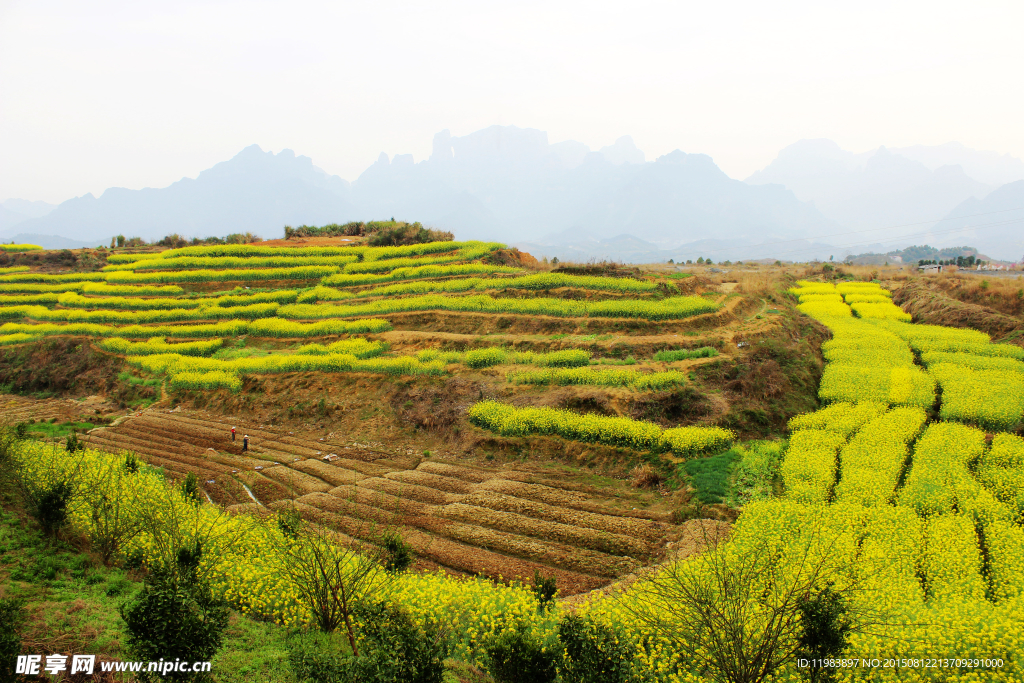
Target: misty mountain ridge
(870,190)
(15,211)
(511,184)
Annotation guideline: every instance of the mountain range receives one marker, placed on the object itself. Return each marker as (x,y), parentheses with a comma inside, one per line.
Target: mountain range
(564,199)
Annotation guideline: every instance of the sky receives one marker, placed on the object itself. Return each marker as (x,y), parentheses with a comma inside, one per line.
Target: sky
(129,94)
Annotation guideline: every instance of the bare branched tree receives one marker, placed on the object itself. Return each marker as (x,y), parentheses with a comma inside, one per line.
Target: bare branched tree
(113,502)
(735,609)
(333,580)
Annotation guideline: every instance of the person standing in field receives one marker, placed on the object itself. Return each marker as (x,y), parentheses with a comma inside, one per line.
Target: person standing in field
(232,433)
(245,443)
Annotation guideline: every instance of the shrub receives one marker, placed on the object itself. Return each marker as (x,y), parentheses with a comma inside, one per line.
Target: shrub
(73,444)
(393,650)
(484,358)
(50,505)
(826,630)
(545,588)
(593,653)
(190,489)
(12,618)
(397,553)
(516,656)
(175,616)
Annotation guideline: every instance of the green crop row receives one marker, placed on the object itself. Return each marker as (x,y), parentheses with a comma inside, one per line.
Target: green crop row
(809,466)
(157,345)
(495,355)
(885,311)
(508,420)
(297,252)
(818,297)
(940,479)
(266,327)
(32,288)
(871,347)
(73,300)
(138,317)
(238,275)
(13,269)
(867,298)
(672,355)
(359,347)
(925,338)
(807,287)
(322,293)
(225,329)
(205,381)
(279,327)
(17,338)
(825,309)
(350,280)
(541,281)
(473,248)
(391,264)
(173,364)
(859,288)
(909,386)
(103,289)
(951,563)
(221,262)
(632,379)
(842,418)
(993,399)
(1001,470)
(28,299)
(53,277)
(969,360)
(873,459)
(665,309)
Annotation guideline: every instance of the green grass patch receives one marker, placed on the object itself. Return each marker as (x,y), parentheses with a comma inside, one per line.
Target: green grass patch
(756,475)
(670,355)
(710,476)
(53,430)
(129,378)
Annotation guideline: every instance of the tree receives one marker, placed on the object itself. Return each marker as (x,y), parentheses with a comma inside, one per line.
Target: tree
(175,616)
(593,653)
(112,502)
(120,240)
(825,630)
(736,609)
(332,581)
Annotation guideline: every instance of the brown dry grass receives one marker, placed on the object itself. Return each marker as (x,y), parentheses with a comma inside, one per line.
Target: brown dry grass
(645,476)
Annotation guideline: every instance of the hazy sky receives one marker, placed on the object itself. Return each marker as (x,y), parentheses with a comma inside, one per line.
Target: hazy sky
(135,94)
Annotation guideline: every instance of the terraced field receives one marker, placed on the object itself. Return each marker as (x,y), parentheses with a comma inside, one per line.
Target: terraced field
(400,342)
(17,409)
(463,518)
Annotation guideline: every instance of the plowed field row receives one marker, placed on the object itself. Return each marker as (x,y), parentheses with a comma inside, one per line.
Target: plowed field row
(464,518)
(15,409)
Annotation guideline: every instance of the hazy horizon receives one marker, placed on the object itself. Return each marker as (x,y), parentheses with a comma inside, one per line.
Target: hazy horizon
(121,95)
